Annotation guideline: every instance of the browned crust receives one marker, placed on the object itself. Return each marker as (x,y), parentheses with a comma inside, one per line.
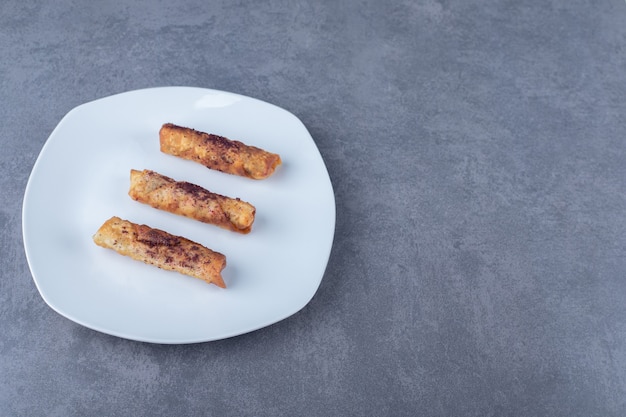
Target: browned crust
(217,152)
(191,200)
(161,249)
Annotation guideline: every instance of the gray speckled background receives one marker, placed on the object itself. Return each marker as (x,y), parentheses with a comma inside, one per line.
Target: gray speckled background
(478,157)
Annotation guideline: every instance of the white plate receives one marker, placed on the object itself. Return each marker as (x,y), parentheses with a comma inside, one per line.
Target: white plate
(81,179)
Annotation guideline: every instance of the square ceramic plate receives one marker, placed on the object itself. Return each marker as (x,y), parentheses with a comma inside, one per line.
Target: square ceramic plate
(81,178)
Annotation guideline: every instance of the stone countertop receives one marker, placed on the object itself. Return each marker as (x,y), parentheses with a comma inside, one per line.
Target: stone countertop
(477,152)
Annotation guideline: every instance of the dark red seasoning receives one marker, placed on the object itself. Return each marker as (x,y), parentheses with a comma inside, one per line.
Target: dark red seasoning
(221,142)
(196,191)
(155,237)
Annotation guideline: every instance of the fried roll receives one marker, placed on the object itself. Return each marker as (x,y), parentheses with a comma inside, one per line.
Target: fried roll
(190,200)
(161,249)
(217,152)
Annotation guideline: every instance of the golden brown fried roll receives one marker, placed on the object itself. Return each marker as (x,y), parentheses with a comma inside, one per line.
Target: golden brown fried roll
(161,249)
(191,201)
(217,152)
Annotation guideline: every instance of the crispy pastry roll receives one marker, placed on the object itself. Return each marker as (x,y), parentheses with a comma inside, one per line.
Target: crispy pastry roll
(191,200)
(161,249)
(217,152)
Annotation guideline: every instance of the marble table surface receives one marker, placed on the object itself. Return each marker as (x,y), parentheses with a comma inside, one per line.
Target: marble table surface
(477,152)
